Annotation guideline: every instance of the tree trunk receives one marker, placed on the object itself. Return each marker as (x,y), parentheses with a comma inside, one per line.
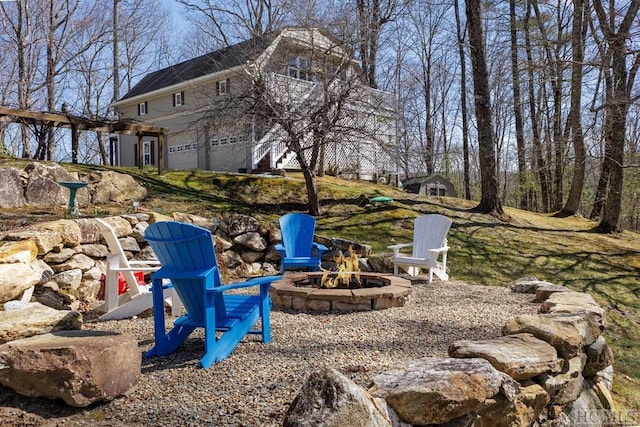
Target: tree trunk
(603,181)
(572,205)
(517,110)
(490,202)
(617,109)
(463,104)
(540,163)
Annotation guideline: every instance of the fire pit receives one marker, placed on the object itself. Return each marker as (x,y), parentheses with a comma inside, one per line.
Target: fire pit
(303,292)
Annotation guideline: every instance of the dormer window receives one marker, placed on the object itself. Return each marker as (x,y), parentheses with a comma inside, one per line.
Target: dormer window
(178,99)
(142,108)
(298,68)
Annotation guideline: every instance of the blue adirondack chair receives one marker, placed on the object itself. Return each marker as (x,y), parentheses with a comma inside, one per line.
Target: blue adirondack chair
(188,260)
(298,248)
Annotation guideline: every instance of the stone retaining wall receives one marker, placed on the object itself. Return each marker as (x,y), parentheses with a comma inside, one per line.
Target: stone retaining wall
(65,260)
(549,369)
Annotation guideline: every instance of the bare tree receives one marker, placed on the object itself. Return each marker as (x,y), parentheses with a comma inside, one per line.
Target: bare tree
(621,82)
(490,202)
(577,47)
(227,22)
(517,109)
(538,154)
(460,33)
(373,15)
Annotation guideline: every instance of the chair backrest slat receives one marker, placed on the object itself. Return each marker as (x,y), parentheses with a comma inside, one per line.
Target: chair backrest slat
(430,232)
(182,248)
(297,234)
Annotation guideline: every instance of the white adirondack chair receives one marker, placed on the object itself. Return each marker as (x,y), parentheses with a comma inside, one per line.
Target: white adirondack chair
(429,248)
(138,298)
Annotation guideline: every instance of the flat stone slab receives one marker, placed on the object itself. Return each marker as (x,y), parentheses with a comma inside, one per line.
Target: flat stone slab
(36,319)
(434,391)
(79,367)
(567,332)
(521,356)
(573,302)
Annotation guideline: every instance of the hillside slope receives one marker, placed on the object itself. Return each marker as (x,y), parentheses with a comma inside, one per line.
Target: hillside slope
(484,250)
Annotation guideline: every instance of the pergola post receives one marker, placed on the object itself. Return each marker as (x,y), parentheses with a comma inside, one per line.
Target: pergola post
(160,153)
(140,148)
(74,144)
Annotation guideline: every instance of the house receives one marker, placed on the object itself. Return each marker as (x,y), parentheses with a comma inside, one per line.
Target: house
(202,102)
(434,185)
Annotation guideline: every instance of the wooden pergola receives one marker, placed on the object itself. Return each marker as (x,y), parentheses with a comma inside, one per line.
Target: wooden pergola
(78,123)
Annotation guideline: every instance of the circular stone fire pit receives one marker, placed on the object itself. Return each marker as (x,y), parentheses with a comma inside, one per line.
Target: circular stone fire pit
(302,291)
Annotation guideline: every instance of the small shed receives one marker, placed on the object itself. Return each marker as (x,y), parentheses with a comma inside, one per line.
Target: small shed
(434,185)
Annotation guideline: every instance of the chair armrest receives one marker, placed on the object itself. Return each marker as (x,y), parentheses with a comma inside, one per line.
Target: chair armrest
(249,283)
(320,248)
(440,250)
(396,248)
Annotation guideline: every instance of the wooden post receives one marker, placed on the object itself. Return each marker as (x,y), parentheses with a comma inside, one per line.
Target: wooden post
(74,144)
(160,153)
(140,148)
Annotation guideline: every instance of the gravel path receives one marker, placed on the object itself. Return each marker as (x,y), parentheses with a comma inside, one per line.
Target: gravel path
(256,384)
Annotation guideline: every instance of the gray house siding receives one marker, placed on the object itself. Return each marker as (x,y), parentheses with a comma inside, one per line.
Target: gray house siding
(207,132)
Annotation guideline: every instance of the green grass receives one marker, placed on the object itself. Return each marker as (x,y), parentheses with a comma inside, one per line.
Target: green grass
(484,250)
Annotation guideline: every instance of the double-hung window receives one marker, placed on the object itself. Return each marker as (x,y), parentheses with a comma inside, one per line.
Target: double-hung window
(178,99)
(223,86)
(146,153)
(298,68)
(142,108)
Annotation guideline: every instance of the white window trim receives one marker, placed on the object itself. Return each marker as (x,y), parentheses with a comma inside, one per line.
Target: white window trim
(146,153)
(142,108)
(222,87)
(177,99)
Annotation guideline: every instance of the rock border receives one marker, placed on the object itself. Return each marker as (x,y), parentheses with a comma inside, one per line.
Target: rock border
(552,369)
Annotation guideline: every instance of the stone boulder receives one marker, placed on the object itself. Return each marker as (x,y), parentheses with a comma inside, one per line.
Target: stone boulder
(567,332)
(588,410)
(543,291)
(11,191)
(42,185)
(15,279)
(251,240)
(574,302)
(527,285)
(200,221)
(435,391)
(68,230)
(79,367)
(565,387)
(239,224)
(599,357)
(521,411)
(330,399)
(343,245)
(35,319)
(45,240)
(120,225)
(24,251)
(522,356)
(381,263)
(109,186)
